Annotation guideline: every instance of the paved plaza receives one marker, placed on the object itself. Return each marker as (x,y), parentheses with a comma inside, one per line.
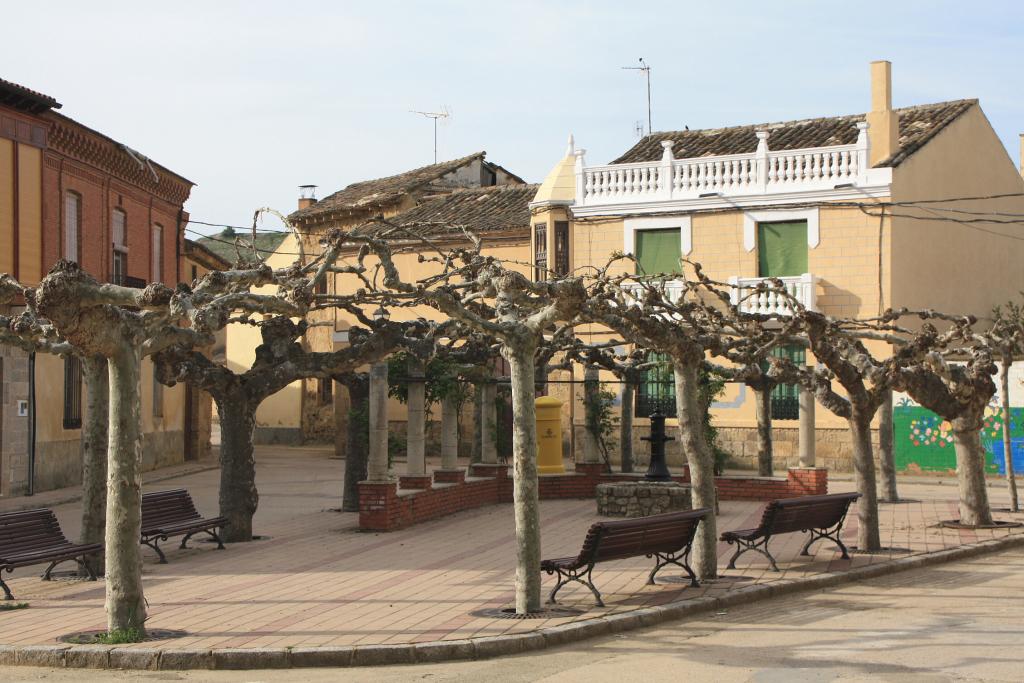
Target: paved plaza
(316,580)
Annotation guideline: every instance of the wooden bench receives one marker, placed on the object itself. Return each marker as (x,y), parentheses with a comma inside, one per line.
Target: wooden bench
(822,516)
(34,537)
(172,513)
(667,538)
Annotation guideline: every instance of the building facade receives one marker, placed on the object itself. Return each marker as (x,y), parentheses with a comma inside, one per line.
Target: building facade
(70,192)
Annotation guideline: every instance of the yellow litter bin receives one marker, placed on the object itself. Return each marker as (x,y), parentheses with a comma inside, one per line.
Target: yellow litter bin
(549,435)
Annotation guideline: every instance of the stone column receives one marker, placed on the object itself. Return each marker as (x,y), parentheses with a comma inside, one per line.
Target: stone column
(377,467)
(489,424)
(806,437)
(449,434)
(415,438)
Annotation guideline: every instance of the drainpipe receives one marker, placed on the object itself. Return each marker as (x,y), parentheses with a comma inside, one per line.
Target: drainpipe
(31,423)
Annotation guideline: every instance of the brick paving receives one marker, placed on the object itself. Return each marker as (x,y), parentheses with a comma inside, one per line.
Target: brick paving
(318,581)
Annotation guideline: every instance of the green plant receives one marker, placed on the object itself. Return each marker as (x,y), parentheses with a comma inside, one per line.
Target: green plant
(397,445)
(601,421)
(121,635)
(711,387)
(12,605)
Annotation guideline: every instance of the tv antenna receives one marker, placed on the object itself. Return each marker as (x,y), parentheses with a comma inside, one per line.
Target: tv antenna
(445,113)
(646,69)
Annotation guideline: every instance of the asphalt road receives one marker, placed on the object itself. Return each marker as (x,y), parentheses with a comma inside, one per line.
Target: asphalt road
(955,622)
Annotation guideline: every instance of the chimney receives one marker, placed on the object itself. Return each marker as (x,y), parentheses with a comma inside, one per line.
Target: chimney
(307,196)
(1022,154)
(883,123)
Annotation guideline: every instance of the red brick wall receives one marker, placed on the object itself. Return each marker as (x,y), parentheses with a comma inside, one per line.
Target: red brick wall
(100,195)
(381,508)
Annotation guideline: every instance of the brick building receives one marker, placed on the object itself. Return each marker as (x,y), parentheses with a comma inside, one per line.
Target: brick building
(68,191)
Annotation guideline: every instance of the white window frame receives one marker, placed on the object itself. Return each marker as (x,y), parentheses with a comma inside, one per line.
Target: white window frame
(752,218)
(633,225)
(157,253)
(71,233)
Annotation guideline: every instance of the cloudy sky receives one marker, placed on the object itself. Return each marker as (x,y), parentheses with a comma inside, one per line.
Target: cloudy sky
(251,99)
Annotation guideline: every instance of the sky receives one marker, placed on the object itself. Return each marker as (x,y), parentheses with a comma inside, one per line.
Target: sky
(251,99)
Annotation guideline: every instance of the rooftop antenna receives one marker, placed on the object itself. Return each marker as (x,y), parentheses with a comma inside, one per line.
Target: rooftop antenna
(638,128)
(646,69)
(445,113)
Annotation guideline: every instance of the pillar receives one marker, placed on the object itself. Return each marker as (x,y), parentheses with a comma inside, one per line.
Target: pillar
(591,414)
(449,433)
(806,438)
(489,424)
(415,403)
(886,458)
(377,467)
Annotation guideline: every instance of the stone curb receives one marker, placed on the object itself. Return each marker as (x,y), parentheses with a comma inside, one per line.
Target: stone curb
(100,657)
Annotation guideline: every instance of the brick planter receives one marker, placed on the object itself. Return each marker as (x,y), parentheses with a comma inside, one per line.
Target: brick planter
(381,508)
(415,481)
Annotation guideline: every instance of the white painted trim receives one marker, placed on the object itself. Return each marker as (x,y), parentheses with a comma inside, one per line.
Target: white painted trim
(752,218)
(632,225)
(861,192)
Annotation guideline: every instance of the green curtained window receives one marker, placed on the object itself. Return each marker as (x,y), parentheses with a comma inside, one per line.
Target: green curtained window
(781,249)
(658,251)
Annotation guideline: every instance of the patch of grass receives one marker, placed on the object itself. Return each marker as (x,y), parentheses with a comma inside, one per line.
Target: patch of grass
(4,606)
(121,635)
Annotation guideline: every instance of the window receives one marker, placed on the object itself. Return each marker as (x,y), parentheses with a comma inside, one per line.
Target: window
(540,252)
(195,273)
(561,247)
(657,392)
(658,251)
(158,396)
(72,225)
(118,234)
(782,249)
(72,393)
(786,397)
(157,271)
(324,391)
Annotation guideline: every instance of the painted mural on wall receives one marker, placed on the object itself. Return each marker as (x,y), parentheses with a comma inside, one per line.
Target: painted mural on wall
(923,441)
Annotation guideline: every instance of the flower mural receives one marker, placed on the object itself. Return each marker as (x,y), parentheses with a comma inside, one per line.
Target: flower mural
(924,441)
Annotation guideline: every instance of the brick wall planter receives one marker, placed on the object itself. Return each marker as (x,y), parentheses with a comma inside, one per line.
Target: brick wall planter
(382,507)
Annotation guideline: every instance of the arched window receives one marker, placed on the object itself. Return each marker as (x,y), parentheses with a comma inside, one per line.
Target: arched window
(119,239)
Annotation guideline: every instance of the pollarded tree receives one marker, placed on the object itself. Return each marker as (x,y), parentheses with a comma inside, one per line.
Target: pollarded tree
(1006,337)
(483,295)
(950,373)
(33,336)
(122,325)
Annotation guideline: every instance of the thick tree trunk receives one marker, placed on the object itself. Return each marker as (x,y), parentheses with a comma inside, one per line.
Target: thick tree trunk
(702,466)
(524,477)
(626,427)
(886,457)
(238,495)
(1004,384)
(489,423)
(125,602)
(94,459)
(970,469)
(357,441)
(763,410)
(864,467)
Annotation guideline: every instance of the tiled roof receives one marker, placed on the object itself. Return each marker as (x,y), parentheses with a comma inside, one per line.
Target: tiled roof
(380,192)
(499,208)
(203,254)
(20,97)
(917,125)
(223,244)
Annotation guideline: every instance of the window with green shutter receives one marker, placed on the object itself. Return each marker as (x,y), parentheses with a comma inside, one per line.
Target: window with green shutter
(658,390)
(658,251)
(781,249)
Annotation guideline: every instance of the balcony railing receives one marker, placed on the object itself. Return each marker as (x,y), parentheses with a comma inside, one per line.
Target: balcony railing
(757,173)
(745,294)
(127,281)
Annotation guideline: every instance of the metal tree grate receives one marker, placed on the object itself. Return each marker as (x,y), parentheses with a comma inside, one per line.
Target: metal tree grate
(510,613)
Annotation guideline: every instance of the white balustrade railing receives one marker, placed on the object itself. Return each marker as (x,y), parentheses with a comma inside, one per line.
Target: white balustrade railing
(672,289)
(759,172)
(769,300)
